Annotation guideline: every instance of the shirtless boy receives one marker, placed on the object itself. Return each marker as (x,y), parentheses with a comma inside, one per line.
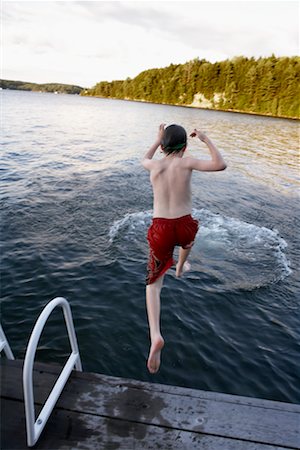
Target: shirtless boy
(172,222)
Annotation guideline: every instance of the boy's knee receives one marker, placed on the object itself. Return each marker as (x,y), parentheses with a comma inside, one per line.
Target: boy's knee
(155,285)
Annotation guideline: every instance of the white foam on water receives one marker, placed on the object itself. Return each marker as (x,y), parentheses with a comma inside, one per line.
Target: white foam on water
(237,250)
(251,242)
(130,222)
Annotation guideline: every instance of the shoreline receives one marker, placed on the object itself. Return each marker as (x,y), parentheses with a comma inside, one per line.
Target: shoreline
(235,111)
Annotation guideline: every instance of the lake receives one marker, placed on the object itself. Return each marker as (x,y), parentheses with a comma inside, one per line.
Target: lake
(76,205)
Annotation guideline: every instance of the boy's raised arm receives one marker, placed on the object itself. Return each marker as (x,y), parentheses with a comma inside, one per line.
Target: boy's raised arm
(215,164)
(146,161)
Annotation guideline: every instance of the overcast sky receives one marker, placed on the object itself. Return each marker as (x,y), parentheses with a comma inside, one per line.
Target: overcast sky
(83,42)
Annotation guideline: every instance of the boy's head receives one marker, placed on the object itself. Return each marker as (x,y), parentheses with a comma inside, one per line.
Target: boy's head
(174,139)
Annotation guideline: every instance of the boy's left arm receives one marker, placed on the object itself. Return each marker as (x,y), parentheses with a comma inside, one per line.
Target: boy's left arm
(147,159)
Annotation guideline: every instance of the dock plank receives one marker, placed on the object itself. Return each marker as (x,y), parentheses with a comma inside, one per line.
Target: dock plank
(110,381)
(185,416)
(72,430)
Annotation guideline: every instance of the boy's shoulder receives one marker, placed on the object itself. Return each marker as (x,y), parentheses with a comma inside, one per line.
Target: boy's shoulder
(152,164)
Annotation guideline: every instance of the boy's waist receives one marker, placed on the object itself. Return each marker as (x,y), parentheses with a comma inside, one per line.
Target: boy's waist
(173,219)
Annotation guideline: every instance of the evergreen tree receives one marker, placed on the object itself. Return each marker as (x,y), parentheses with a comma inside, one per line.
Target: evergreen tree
(264,85)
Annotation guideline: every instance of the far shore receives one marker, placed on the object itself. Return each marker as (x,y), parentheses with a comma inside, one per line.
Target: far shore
(164,104)
(195,107)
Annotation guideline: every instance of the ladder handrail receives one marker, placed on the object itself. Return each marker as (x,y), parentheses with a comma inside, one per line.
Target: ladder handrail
(4,345)
(35,427)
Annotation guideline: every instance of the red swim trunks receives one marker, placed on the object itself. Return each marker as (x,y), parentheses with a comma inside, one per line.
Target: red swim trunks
(163,235)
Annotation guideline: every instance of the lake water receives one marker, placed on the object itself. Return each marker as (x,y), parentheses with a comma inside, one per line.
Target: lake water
(76,205)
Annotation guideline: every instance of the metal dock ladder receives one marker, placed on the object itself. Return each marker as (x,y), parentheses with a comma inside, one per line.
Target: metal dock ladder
(4,345)
(35,427)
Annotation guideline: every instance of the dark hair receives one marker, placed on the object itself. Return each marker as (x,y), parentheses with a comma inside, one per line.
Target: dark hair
(174,139)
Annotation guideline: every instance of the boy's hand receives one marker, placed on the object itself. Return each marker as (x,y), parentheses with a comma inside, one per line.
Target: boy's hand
(200,135)
(150,153)
(161,131)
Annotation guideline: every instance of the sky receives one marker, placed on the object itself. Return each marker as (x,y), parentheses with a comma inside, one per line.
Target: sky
(84,42)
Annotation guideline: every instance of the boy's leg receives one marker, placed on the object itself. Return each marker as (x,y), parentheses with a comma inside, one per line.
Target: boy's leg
(153,311)
(183,265)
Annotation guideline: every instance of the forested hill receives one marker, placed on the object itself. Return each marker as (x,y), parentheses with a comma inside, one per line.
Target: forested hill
(268,86)
(46,87)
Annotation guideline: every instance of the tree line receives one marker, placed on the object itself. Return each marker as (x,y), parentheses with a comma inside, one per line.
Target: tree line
(268,86)
(45,87)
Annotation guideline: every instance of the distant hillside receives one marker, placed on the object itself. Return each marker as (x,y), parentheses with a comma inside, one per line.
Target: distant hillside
(268,86)
(46,87)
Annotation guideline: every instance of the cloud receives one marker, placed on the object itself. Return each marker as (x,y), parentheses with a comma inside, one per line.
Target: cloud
(149,15)
(98,40)
(214,23)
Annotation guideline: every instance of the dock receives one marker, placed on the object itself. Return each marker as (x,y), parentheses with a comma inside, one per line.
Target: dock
(99,412)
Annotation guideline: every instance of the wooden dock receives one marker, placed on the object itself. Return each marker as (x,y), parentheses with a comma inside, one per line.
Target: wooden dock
(98,412)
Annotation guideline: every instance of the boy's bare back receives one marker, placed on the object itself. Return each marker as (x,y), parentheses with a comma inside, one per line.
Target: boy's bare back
(171,177)
(171,182)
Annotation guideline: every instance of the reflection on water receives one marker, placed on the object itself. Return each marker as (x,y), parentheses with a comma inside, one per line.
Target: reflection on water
(265,149)
(100,135)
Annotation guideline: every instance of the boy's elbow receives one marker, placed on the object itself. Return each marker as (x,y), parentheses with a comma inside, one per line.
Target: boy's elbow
(223,166)
(220,166)
(146,163)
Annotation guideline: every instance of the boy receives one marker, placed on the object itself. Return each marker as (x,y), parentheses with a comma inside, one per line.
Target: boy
(172,222)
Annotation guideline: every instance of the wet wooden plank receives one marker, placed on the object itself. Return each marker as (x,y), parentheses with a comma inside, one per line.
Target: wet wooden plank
(168,407)
(111,382)
(73,430)
(252,423)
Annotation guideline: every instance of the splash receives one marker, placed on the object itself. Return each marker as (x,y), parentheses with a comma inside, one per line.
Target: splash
(130,223)
(233,254)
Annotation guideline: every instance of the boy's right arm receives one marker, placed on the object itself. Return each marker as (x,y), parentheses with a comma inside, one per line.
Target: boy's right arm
(215,164)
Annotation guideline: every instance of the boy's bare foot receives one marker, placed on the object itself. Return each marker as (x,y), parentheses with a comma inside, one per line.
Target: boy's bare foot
(185,268)
(154,355)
